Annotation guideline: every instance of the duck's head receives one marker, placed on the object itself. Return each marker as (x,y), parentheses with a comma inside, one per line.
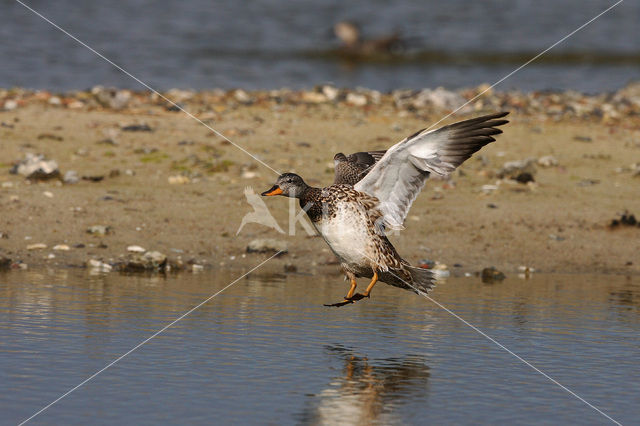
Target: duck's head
(289,185)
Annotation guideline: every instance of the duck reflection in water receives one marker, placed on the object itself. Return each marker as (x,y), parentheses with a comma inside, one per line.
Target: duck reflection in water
(369,391)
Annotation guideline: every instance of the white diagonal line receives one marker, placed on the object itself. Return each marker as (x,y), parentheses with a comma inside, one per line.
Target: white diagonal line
(146,85)
(147,339)
(526,63)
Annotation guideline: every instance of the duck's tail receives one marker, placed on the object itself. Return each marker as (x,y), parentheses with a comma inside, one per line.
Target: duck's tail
(422,279)
(418,280)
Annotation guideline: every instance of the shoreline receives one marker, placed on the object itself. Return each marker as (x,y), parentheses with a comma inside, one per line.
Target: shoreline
(160,180)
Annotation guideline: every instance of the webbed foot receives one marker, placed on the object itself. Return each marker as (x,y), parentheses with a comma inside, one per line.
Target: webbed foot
(348,300)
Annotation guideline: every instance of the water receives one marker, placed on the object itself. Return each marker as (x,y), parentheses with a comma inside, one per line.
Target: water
(276,43)
(266,351)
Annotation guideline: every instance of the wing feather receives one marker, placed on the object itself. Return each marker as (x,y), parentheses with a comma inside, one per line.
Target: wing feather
(398,176)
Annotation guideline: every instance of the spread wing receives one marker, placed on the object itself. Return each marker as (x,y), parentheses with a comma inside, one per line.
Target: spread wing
(397,178)
(350,169)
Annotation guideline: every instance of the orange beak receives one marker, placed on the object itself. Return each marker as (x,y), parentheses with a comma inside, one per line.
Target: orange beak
(275,190)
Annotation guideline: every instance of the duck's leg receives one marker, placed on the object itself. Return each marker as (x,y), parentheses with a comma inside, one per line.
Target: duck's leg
(347,298)
(367,292)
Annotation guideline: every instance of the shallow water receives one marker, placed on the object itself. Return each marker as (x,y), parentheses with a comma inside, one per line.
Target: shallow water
(266,351)
(276,43)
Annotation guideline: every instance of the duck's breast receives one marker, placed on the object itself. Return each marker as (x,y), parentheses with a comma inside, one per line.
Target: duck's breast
(347,232)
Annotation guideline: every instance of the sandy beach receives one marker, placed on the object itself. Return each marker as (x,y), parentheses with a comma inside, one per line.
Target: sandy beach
(154,177)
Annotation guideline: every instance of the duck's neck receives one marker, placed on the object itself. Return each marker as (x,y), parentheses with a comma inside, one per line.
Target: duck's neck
(311,203)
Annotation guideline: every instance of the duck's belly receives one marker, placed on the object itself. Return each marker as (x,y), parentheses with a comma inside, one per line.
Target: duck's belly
(348,234)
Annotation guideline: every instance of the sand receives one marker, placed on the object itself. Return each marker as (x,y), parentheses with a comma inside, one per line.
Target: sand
(557,224)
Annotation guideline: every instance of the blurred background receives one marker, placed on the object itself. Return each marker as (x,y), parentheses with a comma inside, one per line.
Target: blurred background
(266,44)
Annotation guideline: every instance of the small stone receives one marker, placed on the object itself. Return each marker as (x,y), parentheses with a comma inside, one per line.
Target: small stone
(524,177)
(137,128)
(10,105)
(491,274)
(331,92)
(36,167)
(111,98)
(356,99)
(264,245)
(242,97)
(100,230)
(178,180)
(547,161)
(440,98)
(155,257)
(136,249)
(71,177)
(248,174)
(48,194)
(99,266)
(314,97)
(525,271)
(513,169)
(61,247)
(36,246)
(197,268)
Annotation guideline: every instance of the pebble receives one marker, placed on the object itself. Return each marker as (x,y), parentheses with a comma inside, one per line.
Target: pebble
(137,128)
(547,161)
(178,180)
(112,98)
(491,274)
(525,272)
(332,93)
(136,249)
(242,97)
(61,247)
(600,107)
(513,169)
(100,230)
(439,98)
(48,194)
(36,167)
(10,104)
(356,99)
(71,177)
(98,265)
(149,261)
(36,246)
(265,245)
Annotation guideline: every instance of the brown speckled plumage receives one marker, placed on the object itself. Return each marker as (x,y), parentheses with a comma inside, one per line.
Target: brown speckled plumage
(350,169)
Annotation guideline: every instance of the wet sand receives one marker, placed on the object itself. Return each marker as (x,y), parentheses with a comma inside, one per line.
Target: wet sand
(557,224)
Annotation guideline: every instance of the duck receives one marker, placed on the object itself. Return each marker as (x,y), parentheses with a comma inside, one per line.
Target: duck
(354,46)
(372,193)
